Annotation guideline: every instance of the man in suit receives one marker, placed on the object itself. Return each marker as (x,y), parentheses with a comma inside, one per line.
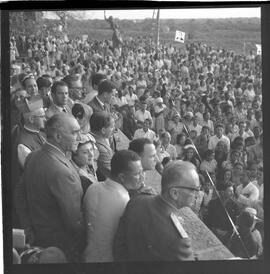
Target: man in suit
(75,90)
(102,127)
(102,101)
(105,202)
(151,229)
(48,198)
(61,101)
(96,79)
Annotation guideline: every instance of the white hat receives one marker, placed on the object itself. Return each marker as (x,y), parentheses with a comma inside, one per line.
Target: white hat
(189,146)
(159,100)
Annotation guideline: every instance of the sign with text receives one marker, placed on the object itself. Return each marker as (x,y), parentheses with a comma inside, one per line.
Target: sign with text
(259,49)
(180,36)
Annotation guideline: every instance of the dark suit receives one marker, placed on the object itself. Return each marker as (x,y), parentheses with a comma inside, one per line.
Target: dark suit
(146,233)
(97,107)
(49,199)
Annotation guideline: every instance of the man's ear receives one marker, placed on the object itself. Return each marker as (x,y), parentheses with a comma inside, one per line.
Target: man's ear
(173,193)
(31,119)
(103,130)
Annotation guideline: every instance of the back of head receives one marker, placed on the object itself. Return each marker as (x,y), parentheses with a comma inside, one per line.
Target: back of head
(56,122)
(68,79)
(176,171)
(43,83)
(99,120)
(120,161)
(97,78)
(52,255)
(106,86)
(137,145)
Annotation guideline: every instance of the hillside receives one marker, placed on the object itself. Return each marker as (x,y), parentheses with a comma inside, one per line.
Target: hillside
(228,33)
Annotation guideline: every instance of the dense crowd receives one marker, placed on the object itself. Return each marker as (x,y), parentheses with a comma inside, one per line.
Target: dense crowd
(102,135)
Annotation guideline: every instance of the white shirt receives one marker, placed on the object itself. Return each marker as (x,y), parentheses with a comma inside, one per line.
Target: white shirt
(103,205)
(198,128)
(142,116)
(131,99)
(140,133)
(248,194)
(214,140)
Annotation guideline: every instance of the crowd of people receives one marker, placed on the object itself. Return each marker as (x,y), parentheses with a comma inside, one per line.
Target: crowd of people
(108,143)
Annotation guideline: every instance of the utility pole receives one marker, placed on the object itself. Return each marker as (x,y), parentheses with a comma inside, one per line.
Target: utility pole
(157,41)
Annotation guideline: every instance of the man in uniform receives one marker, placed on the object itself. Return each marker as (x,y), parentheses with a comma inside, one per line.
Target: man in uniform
(150,229)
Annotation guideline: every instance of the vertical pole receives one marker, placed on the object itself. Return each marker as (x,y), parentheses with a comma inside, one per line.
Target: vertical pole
(244,48)
(157,41)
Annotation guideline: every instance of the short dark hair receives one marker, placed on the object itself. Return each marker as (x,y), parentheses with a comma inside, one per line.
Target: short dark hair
(78,111)
(100,120)
(70,78)
(137,145)
(96,78)
(43,82)
(58,84)
(120,161)
(106,86)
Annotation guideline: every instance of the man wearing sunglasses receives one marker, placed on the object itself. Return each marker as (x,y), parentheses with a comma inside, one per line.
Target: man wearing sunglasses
(157,219)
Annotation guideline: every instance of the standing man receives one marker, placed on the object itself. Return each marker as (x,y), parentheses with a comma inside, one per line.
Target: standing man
(29,139)
(48,199)
(143,114)
(149,229)
(145,131)
(102,127)
(102,101)
(218,137)
(105,202)
(96,79)
(61,101)
(147,151)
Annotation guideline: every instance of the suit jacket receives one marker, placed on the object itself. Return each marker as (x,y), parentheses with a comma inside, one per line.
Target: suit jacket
(52,110)
(97,107)
(104,204)
(104,159)
(49,199)
(146,232)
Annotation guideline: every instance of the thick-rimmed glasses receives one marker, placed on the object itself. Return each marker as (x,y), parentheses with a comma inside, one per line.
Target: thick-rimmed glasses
(196,189)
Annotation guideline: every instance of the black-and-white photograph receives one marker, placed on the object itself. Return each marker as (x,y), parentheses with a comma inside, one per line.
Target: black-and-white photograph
(136,135)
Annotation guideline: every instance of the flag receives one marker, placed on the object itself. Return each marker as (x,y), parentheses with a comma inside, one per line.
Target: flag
(84,37)
(259,49)
(180,36)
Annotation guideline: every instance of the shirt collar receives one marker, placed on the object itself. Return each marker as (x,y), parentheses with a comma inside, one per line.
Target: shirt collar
(60,108)
(31,130)
(102,104)
(169,204)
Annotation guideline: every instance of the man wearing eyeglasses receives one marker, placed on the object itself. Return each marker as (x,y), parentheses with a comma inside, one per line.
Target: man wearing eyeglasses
(151,229)
(76,93)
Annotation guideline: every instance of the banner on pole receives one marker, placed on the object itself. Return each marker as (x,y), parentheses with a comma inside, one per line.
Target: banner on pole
(259,49)
(84,37)
(180,36)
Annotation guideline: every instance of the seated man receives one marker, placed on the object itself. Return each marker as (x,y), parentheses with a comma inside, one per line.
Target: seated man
(105,202)
(150,229)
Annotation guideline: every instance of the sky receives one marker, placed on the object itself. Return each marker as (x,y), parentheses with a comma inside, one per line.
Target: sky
(175,13)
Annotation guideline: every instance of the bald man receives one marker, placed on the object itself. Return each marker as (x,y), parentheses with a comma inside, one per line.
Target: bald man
(49,196)
(150,229)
